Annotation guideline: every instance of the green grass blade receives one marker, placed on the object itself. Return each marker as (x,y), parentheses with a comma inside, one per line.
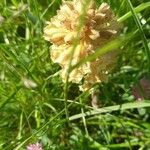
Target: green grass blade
(138,9)
(10,97)
(111,109)
(145,43)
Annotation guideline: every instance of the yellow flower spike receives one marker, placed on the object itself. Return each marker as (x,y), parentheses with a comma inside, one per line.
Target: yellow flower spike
(99,27)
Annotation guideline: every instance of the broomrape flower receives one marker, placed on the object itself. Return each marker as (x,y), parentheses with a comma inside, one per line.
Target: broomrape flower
(99,27)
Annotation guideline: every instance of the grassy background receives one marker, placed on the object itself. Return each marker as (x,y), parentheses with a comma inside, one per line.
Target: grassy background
(37,113)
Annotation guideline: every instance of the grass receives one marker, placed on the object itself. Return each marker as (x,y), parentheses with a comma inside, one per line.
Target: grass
(34,102)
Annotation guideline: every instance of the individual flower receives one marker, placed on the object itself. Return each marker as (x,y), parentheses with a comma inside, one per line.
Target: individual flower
(36,146)
(91,27)
(142,89)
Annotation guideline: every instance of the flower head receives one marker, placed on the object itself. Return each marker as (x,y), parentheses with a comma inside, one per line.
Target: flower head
(36,146)
(99,26)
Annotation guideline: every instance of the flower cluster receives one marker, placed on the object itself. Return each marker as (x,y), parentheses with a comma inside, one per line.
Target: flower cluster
(92,27)
(36,146)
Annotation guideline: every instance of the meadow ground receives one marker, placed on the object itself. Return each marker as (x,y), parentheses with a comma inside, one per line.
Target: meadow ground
(34,101)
